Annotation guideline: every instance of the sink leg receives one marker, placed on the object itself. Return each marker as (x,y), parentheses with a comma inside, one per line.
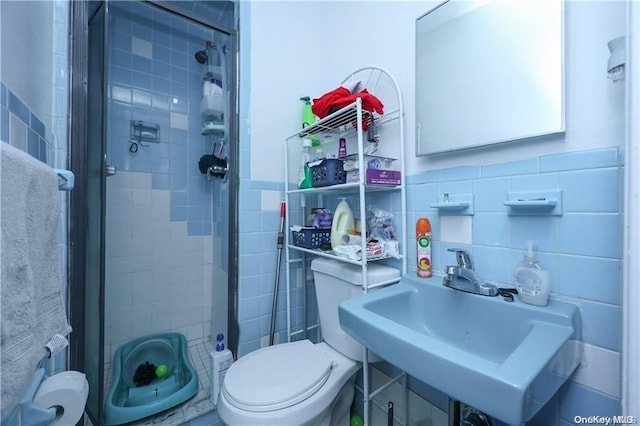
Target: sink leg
(462,414)
(454,412)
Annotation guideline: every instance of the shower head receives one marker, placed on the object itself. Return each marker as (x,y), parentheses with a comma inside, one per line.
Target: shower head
(201,56)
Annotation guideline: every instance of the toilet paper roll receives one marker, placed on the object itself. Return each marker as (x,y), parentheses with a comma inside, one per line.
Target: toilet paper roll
(67,393)
(350,239)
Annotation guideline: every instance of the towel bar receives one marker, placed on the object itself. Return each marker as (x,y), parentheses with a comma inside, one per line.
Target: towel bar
(66,179)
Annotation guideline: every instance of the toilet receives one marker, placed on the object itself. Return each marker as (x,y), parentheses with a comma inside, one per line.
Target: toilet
(301,383)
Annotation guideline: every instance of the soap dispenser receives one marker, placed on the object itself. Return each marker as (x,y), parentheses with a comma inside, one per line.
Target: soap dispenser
(531,281)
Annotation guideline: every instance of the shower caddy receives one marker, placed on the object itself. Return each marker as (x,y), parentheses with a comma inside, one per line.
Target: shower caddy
(214,108)
(344,123)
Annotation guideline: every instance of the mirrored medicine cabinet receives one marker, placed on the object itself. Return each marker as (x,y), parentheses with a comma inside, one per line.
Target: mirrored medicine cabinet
(488,72)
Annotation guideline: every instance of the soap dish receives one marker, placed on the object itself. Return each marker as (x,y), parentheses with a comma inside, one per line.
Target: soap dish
(535,203)
(456,204)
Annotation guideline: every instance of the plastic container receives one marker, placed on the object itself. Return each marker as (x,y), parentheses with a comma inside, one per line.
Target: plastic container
(531,281)
(221,360)
(212,105)
(342,223)
(311,238)
(329,172)
(304,171)
(423,248)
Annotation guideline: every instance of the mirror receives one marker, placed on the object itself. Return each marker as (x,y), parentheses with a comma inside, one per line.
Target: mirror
(488,72)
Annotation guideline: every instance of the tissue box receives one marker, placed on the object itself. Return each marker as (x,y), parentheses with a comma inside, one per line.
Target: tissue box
(376,177)
(378,170)
(370,162)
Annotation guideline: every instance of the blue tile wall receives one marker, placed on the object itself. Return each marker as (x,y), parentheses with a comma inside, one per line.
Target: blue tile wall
(37,144)
(582,249)
(154,78)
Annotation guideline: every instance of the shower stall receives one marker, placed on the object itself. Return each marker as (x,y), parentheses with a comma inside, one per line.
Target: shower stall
(154,218)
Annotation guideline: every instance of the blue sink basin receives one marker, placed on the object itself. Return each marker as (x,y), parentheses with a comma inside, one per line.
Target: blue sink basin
(506,359)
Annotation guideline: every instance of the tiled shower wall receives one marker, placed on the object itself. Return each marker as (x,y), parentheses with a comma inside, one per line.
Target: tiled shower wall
(167,227)
(582,250)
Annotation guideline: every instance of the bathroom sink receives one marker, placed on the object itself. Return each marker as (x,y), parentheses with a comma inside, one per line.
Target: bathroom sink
(506,359)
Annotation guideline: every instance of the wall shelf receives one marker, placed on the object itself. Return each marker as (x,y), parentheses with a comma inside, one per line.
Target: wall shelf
(454,205)
(535,203)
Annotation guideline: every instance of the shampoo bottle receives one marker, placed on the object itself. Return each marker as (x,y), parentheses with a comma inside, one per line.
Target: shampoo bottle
(342,148)
(221,360)
(342,223)
(531,281)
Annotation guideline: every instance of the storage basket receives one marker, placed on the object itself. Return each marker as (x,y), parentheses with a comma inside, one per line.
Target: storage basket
(329,172)
(312,238)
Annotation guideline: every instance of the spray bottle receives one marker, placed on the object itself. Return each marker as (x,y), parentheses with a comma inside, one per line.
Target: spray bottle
(308,118)
(423,248)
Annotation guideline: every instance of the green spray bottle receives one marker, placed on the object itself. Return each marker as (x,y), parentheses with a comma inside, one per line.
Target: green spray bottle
(308,118)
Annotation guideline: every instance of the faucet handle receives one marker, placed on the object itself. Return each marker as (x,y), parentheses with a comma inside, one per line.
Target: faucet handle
(463,258)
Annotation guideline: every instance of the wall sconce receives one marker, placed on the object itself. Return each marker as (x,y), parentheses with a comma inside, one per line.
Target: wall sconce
(615,65)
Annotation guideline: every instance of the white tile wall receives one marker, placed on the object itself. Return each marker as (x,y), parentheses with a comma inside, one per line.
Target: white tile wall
(158,278)
(600,370)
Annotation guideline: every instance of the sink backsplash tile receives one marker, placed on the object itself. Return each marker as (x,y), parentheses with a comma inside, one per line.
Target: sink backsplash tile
(582,249)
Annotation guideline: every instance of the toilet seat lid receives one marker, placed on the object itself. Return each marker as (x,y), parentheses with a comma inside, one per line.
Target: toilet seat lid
(277,377)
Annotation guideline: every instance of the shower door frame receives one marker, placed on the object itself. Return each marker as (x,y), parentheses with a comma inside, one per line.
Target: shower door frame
(78,215)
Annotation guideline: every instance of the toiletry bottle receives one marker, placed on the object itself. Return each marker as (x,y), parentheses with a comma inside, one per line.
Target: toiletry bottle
(319,154)
(423,248)
(308,118)
(221,360)
(304,171)
(342,148)
(531,281)
(342,222)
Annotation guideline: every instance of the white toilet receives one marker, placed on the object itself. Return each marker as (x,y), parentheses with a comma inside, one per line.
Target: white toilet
(302,383)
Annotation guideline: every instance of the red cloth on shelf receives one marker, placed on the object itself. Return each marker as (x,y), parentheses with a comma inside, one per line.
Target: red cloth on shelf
(340,98)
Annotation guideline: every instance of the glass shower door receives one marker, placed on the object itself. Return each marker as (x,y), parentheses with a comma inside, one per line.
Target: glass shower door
(95,247)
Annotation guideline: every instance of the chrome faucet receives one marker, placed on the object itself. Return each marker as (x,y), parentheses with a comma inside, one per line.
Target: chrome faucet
(463,276)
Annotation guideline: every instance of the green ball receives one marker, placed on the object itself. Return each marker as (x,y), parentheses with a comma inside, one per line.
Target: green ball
(161,371)
(357,420)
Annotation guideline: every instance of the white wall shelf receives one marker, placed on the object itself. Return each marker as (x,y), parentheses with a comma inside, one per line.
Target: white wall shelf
(349,122)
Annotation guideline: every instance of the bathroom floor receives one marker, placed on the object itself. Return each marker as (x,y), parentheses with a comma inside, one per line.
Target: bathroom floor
(196,406)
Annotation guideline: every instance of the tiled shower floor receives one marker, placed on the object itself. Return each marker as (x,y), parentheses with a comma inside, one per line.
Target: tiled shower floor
(196,406)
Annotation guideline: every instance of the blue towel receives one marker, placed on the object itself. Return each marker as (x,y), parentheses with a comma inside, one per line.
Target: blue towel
(31,302)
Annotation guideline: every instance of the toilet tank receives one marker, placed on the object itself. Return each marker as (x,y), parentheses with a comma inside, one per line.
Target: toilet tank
(336,282)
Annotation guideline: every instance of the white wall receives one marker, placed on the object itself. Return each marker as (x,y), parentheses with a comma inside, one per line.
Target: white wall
(294,52)
(27,53)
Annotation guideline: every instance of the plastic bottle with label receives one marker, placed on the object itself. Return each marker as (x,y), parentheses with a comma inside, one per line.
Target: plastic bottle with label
(342,148)
(423,248)
(308,118)
(304,171)
(342,222)
(221,360)
(531,281)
